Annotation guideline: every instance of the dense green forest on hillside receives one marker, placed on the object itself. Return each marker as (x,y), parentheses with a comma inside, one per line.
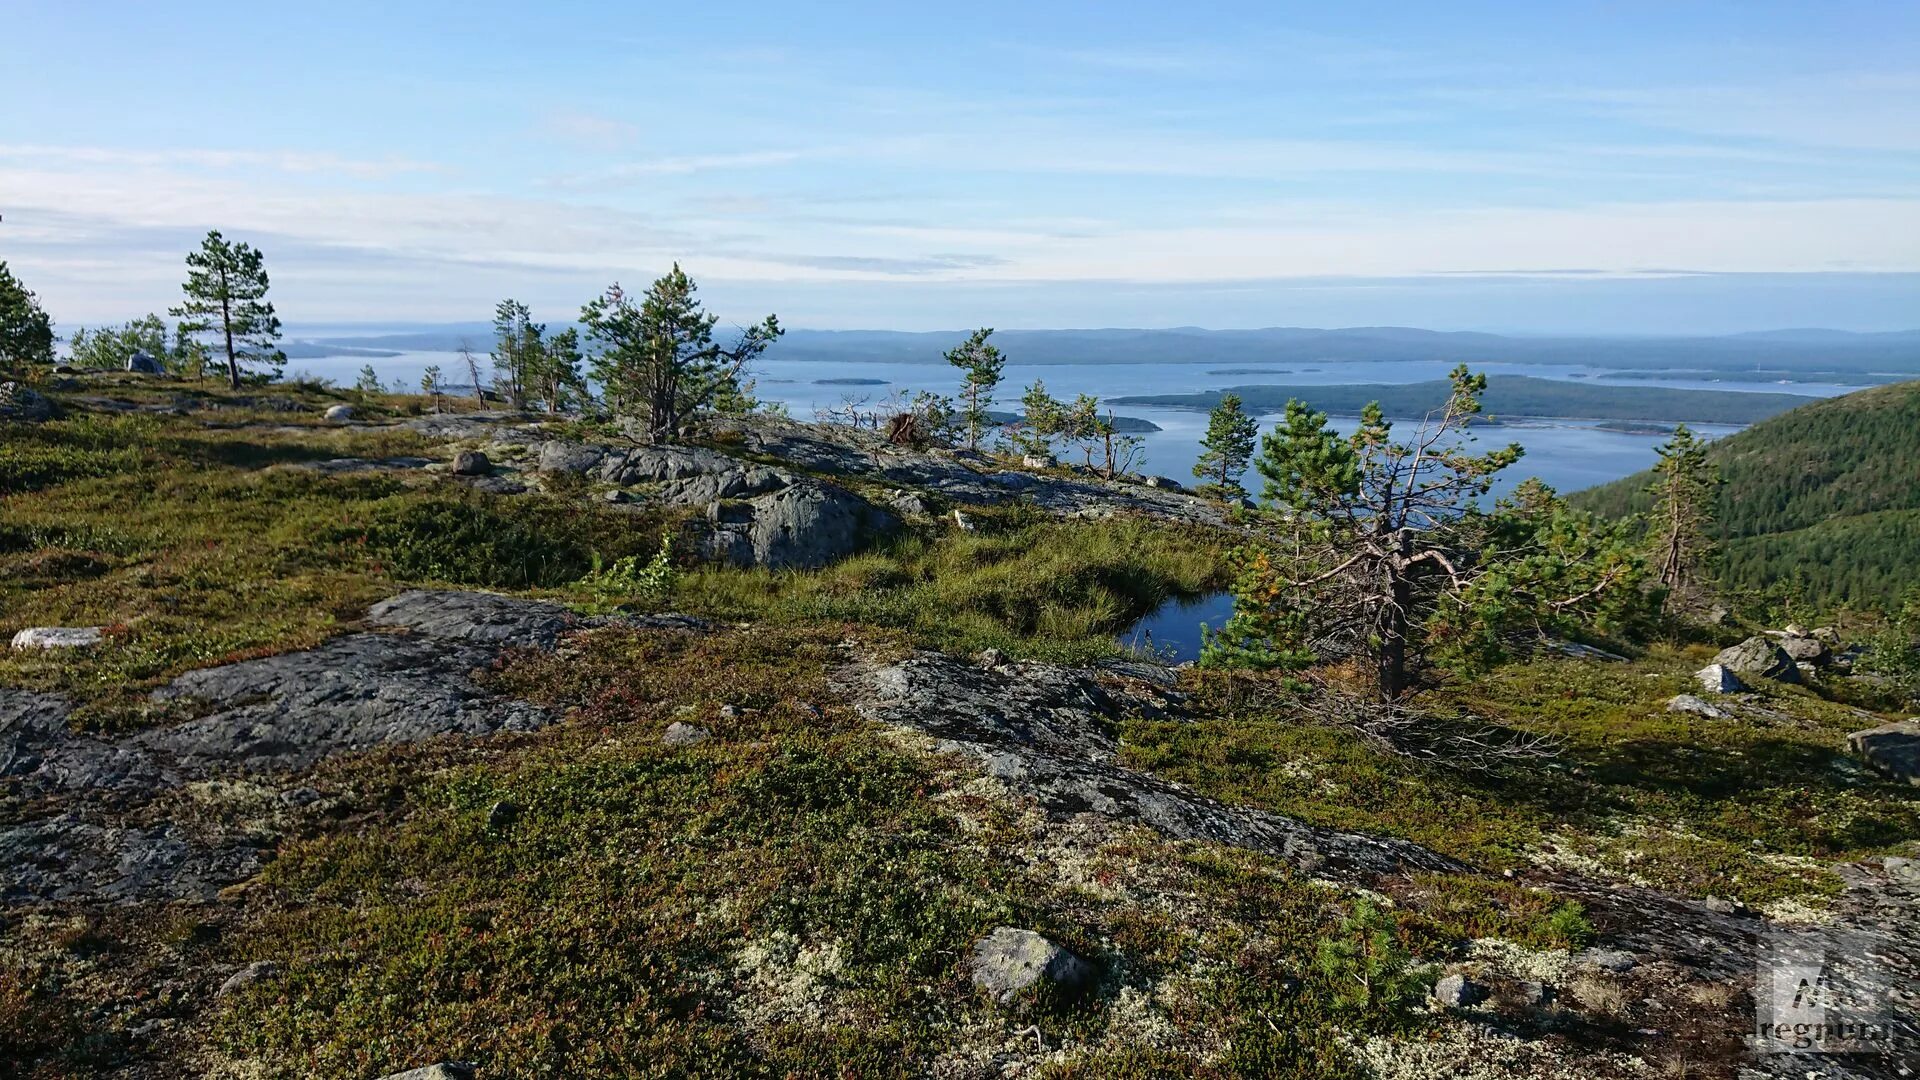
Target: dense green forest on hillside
(1507,397)
(1824,499)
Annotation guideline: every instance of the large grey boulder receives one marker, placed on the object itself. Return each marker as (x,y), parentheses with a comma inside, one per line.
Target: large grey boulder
(1011,961)
(737,483)
(339,413)
(651,464)
(1456,991)
(23,404)
(471,463)
(1806,650)
(1759,657)
(1893,749)
(142,364)
(804,526)
(1687,703)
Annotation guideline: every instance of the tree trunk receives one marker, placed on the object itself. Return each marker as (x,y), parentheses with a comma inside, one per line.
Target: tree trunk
(226,325)
(1391,662)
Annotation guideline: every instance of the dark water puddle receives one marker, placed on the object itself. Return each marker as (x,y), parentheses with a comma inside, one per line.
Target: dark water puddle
(1173,630)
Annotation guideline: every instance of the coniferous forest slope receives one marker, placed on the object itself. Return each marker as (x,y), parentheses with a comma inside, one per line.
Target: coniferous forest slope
(1823,500)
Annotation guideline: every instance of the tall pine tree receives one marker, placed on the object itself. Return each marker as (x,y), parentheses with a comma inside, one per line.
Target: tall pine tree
(980,362)
(1226,449)
(1684,486)
(226,291)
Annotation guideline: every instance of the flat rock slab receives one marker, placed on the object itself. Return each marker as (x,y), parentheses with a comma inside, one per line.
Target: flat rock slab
(1047,732)
(58,637)
(410,680)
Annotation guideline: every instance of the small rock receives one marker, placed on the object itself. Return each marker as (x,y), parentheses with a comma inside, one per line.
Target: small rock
(962,521)
(906,502)
(1010,960)
(1164,483)
(1617,961)
(990,658)
(1901,869)
(142,363)
(683,734)
(255,972)
(1457,992)
(1826,635)
(615,495)
(57,637)
(1806,650)
(1794,630)
(445,1070)
(1720,679)
(1038,461)
(729,712)
(1893,749)
(1535,994)
(1722,906)
(470,463)
(300,796)
(339,412)
(502,815)
(1687,703)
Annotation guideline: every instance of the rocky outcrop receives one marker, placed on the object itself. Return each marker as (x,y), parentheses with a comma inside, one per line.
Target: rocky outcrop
(1759,658)
(803,526)
(1720,679)
(1893,749)
(409,679)
(1047,732)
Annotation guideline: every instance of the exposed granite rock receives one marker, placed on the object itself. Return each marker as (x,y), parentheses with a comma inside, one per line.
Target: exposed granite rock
(1687,703)
(471,463)
(1893,749)
(57,637)
(408,681)
(1759,657)
(1457,991)
(1720,679)
(339,413)
(1009,962)
(1047,732)
(807,525)
(445,1070)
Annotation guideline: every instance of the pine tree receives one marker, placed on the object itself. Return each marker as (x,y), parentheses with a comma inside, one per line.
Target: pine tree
(1042,420)
(1684,487)
(657,360)
(430,384)
(981,362)
(1379,546)
(518,350)
(560,381)
(226,291)
(26,334)
(1226,449)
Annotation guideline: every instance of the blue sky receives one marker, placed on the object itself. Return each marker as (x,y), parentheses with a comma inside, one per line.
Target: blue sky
(1627,167)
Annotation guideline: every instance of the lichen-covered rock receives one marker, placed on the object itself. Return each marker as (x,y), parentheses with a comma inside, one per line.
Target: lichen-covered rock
(338,413)
(1010,961)
(1893,749)
(1806,650)
(445,1070)
(1048,733)
(679,733)
(471,463)
(1456,991)
(1687,703)
(1759,657)
(803,526)
(58,637)
(257,972)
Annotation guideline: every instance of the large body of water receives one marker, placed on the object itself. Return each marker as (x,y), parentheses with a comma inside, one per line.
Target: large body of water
(1569,454)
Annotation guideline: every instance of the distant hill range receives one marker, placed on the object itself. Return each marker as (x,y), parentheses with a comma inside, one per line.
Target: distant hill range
(1823,500)
(1808,353)
(1508,397)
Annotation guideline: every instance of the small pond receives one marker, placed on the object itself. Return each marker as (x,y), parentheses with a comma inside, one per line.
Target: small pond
(1173,630)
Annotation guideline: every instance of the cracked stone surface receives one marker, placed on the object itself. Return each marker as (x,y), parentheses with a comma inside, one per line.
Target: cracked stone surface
(409,679)
(1048,733)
